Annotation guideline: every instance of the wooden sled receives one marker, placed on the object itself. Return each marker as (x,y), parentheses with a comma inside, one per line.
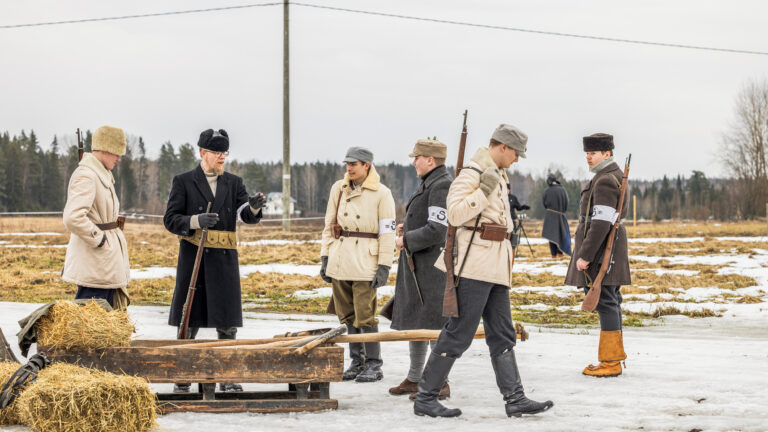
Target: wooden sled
(308,376)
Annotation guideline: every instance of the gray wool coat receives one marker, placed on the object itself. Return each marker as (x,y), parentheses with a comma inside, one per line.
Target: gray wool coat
(425,225)
(591,235)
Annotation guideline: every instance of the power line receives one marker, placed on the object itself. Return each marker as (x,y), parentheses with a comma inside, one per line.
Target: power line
(515,29)
(125,17)
(404,17)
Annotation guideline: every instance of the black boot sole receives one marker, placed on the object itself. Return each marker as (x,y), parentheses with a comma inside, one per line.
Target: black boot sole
(422,414)
(520,414)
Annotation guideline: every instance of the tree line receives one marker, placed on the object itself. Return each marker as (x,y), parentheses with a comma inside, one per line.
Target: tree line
(35,179)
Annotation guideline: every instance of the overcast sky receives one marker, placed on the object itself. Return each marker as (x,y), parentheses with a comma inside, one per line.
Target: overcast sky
(383,83)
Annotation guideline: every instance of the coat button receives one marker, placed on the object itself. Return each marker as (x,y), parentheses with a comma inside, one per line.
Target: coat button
(358,216)
(347,199)
(473,204)
(345,213)
(200,208)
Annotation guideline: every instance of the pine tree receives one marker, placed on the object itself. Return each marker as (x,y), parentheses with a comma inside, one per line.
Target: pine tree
(186,159)
(166,164)
(142,176)
(54,191)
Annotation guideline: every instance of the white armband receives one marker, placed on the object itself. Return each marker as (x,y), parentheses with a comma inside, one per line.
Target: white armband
(604,213)
(438,214)
(240,210)
(387,226)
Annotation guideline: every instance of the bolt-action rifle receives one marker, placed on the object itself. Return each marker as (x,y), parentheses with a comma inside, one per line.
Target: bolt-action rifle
(593,295)
(450,252)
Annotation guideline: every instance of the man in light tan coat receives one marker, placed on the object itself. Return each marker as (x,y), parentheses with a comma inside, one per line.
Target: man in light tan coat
(357,252)
(97,253)
(478,205)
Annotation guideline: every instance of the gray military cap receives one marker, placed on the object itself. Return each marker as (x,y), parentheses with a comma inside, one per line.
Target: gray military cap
(361,154)
(512,137)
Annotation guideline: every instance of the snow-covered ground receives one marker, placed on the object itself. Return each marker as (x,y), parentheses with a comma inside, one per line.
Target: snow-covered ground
(708,374)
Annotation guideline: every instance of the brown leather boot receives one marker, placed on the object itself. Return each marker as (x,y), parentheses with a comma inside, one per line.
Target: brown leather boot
(610,353)
(405,387)
(445,393)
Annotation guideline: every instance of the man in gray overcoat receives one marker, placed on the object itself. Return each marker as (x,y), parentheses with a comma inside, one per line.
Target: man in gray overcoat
(597,213)
(555,227)
(418,301)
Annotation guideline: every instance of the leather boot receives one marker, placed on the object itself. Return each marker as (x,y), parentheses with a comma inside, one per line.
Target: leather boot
(610,353)
(228,333)
(372,368)
(405,387)
(444,394)
(432,380)
(357,354)
(508,380)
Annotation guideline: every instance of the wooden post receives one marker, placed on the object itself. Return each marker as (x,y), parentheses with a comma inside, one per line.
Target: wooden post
(286,126)
(634,216)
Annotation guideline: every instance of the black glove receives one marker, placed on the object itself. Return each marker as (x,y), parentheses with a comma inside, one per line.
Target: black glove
(382,273)
(257,201)
(524,207)
(207,220)
(323,266)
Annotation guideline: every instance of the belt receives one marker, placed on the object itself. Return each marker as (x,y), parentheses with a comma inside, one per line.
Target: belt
(119,223)
(215,239)
(555,211)
(345,233)
(480,230)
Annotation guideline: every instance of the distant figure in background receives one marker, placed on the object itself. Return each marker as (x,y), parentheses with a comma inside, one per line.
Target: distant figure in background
(97,253)
(515,206)
(555,227)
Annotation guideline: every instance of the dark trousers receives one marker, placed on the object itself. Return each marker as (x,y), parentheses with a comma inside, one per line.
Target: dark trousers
(478,299)
(554,249)
(609,307)
(107,294)
(223,333)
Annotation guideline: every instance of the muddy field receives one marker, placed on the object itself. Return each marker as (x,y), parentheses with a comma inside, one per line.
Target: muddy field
(691,269)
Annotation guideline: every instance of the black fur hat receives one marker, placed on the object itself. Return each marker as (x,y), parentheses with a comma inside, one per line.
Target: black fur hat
(598,142)
(214,140)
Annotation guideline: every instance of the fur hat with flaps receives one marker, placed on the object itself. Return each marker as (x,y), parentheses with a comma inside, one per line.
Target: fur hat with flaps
(109,139)
(598,142)
(214,140)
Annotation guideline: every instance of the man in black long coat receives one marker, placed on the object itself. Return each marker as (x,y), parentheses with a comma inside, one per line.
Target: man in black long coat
(555,227)
(418,301)
(217,300)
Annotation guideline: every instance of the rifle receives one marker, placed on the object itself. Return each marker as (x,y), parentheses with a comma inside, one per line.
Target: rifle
(450,253)
(80,147)
(192,284)
(593,295)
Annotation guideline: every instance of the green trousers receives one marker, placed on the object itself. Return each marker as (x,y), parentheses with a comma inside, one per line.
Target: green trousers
(355,303)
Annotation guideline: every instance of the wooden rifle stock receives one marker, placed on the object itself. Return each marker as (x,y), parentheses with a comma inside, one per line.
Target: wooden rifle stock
(187,309)
(450,302)
(593,295)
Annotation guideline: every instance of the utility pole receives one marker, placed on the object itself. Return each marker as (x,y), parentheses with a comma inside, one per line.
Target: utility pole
(286,126)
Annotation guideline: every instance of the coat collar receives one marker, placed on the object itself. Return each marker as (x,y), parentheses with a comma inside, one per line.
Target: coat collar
(89,161)
(202,184)
(482,158)
(371,182)
(434,175)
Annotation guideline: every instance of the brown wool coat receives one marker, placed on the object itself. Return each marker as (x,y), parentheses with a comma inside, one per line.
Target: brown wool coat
(91,199)
(592,235)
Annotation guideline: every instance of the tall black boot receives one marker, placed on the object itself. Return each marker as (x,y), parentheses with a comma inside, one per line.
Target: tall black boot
(508,380)
(432,380)
(185,387)
(372,370)
(357,354)
(228,333)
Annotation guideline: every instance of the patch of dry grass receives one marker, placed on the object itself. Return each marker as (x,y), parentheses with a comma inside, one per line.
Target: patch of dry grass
(731,281)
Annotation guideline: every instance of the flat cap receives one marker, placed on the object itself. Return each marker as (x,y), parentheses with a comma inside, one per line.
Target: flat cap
(361,154)
(214,140)
(429,147)
(598,142)
(512,137)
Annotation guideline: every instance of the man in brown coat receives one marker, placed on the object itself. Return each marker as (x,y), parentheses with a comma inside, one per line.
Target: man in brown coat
(97,253)
(597,213)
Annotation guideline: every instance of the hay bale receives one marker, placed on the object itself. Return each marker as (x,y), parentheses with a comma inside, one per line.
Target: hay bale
(69,398)
(69,325)
(10,414)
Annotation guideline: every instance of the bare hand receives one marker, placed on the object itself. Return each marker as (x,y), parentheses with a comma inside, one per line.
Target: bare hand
(399,230)
(399,244)
(582,264)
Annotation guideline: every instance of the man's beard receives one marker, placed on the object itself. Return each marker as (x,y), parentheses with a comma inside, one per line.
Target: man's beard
(218,170)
